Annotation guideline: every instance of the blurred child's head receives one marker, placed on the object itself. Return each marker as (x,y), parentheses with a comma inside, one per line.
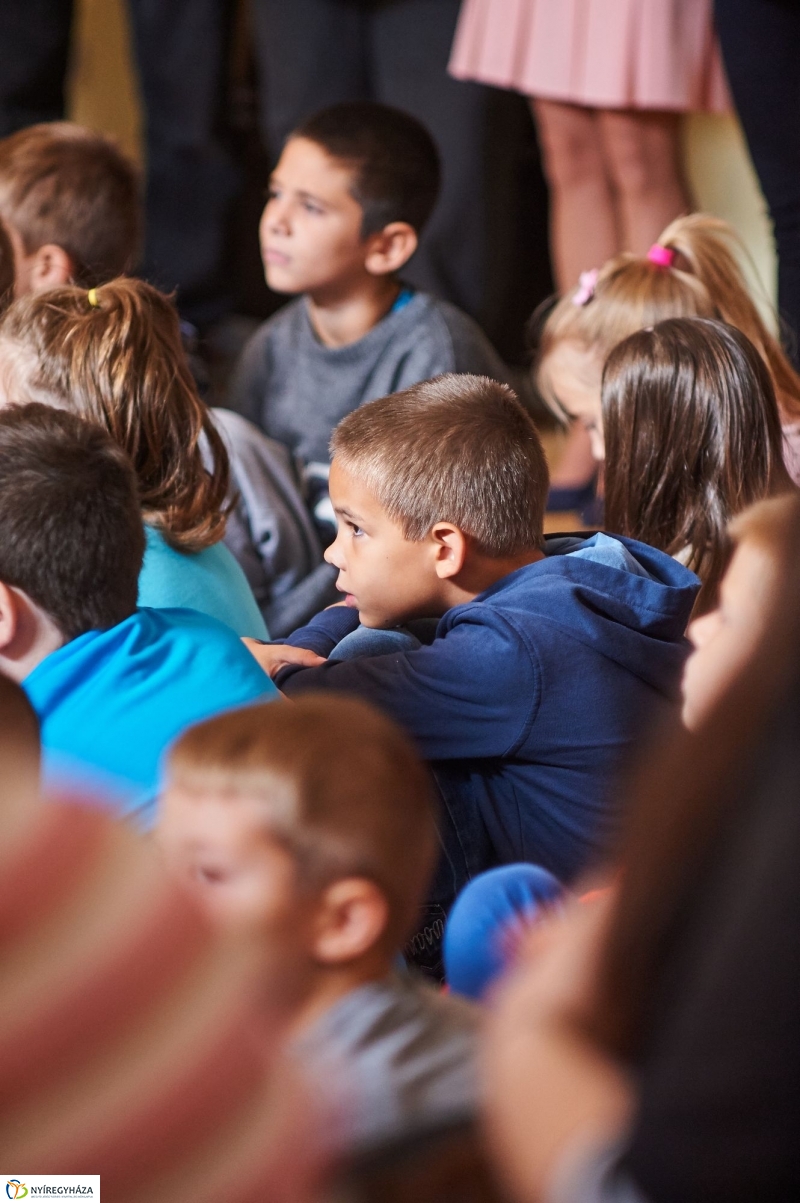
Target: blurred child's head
(692,436)
(694,272)
(765,542)
(114,355)
(309,822)
(20,745)
(70,199)
(348,199)
(437,488)
(71,537)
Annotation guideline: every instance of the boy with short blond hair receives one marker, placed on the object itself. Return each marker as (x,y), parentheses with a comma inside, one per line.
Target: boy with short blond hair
(310,828)
(351,193)
(548,654)
(70,200)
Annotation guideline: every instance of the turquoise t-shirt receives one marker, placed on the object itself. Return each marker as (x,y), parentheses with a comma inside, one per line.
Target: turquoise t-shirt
(210,581)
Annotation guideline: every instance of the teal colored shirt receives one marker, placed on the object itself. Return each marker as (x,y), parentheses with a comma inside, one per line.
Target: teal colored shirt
(209,581)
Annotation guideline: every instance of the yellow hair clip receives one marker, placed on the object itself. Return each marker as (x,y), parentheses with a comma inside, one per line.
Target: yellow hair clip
(91,297)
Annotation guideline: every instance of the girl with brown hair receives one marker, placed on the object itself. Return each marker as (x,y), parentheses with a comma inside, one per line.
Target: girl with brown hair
(692,271)
(114,355)
(692,437)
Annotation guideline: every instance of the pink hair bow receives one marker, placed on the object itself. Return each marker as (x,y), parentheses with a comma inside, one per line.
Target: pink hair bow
(587,282)
(662,256)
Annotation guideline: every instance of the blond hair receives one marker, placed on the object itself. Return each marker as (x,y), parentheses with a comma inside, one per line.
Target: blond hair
(114,355)
(632,293)
(342,787)
(457,449)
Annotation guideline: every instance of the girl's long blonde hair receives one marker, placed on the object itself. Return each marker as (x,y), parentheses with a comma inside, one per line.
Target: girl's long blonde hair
(115,355)
(632,293)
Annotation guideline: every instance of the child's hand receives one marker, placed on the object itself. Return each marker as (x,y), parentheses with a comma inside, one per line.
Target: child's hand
(274,656)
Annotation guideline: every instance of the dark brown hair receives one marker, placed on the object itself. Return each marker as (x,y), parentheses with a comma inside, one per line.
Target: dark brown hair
(394,160)
(71,533)
(66,185)
(692,437)
(342,787)
(120,362)
(457,449)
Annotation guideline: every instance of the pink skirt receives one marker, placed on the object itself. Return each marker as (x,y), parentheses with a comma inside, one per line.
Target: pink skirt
(607,54)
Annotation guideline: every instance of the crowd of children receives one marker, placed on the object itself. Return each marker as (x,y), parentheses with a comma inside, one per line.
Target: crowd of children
(319,650)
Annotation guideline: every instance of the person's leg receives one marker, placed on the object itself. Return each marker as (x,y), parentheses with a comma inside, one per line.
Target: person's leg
(642,151)
(410,43)
(583,221)
(311,54)
(761,47)
(481,928)
(34,48)
(180,52)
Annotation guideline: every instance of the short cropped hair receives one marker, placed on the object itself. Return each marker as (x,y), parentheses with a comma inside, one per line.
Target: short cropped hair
(6,270)
(457,449)
(71,533)
(66,185)
(342,787)
(395,163)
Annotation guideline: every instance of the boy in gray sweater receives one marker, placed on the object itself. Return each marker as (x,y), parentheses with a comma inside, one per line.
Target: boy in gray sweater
(311,831)
(350,194)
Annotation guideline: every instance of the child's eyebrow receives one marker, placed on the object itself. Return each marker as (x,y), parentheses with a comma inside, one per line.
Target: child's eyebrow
(344,512)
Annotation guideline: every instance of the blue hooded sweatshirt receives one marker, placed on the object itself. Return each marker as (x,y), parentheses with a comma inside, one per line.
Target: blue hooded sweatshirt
(529,695)
(110,702)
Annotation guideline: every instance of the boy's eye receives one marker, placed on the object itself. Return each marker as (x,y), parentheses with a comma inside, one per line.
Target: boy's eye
(355,530)
(310,207)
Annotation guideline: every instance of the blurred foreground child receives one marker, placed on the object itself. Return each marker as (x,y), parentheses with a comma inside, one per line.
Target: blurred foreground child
(310,826)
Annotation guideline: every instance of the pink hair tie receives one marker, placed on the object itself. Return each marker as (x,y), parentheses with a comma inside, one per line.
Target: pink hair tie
(587,282)
(662,256)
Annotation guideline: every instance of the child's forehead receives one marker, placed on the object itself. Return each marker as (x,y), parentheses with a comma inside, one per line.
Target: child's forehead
(306,162)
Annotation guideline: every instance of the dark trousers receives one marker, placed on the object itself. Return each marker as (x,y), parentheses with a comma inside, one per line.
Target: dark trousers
(314,53)
(761,47)
(191,180)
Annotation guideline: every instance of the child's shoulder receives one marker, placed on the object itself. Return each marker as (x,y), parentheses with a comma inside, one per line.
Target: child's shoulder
(469,348)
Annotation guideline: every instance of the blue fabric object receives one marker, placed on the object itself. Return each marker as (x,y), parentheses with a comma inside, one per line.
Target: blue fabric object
(110,702)
(528,698)
(367,641)
(491,907)
(404,296)
(209,581)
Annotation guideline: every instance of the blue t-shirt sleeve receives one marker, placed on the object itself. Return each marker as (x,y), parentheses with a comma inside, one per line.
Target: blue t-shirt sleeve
(473,693)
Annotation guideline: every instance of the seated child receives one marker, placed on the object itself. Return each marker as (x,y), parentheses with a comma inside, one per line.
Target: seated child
(549,653)
(111,685)
(348,199)
(692,271)
(691,435)
(310,827)
(114,355)
(70,200)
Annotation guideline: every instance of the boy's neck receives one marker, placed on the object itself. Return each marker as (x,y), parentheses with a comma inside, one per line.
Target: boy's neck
(344,316)
(480,572)
(332,984)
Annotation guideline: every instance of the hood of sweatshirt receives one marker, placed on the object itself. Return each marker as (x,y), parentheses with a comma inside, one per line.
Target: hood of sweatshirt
(628,601)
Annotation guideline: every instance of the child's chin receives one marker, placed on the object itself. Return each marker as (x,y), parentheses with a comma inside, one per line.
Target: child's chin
(279,281)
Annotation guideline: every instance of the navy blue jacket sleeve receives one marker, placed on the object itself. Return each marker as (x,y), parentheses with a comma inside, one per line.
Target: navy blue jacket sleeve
(472,693)
(325,630)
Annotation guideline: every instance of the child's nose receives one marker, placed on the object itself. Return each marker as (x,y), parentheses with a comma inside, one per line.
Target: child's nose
(333,555)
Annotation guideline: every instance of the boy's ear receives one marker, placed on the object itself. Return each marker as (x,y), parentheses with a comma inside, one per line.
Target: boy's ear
(9,616)
(51,267)
(390,248)
(450,549)
(352,917)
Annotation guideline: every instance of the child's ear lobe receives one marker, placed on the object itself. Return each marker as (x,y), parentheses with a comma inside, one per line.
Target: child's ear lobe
(450,548)
(52,267)
(353,914)
(391,248)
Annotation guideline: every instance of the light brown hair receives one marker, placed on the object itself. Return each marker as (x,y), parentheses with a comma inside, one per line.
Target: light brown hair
(342,787)
(457,449)
(6,269)
(120,362)
(66,185)
(692,437)
(632,293)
